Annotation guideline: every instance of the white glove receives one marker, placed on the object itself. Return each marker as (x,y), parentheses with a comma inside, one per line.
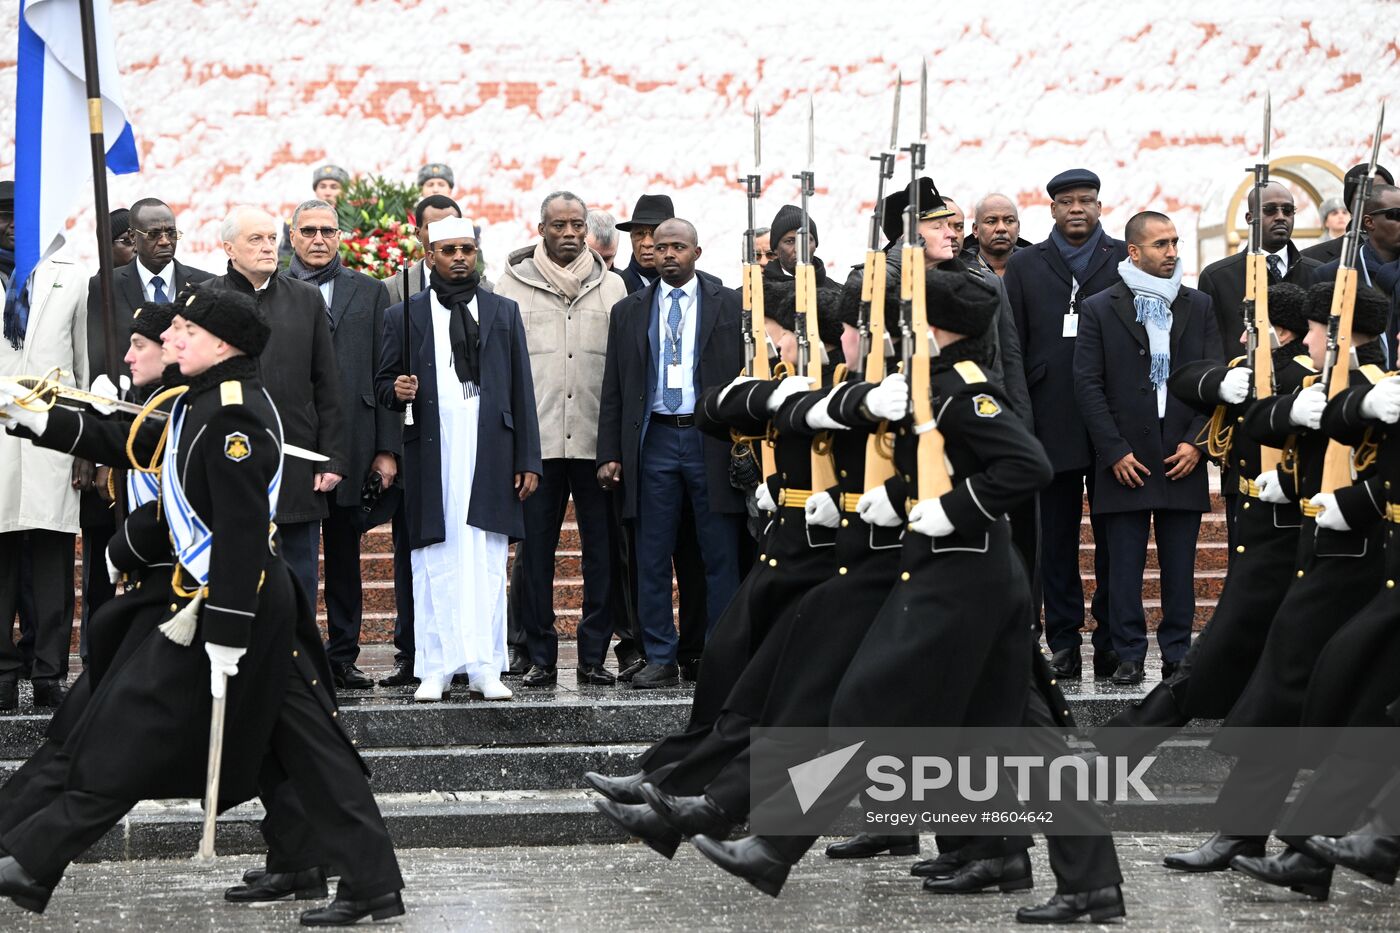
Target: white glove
(102,386)
(35,421)
(819,417)
(1234,388)
(822,511)
(874,508)
(1383,401)
(734,384)
(928,518)
(786,390)
(1269,488)
(889,401)
(764,497)
(1331,516)
(1307,408)
(113,574)
(223,664)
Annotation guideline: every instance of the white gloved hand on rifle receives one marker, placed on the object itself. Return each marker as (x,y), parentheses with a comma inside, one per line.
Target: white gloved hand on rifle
(822,511)
(113,574)
(223,664)
(1269,488)
(734,384)
(874,508)
(786,390)
(1234,388)
(1383,401)
(819,415)
(35,421)
(1330,516)
(928,518)
(889,401)
(1307,408)
(764,498)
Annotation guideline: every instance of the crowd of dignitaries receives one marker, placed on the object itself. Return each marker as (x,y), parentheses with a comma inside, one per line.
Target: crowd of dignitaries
(594,405)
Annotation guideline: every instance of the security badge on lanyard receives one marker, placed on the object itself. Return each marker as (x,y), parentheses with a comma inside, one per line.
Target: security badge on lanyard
(1071,323)
(674,370)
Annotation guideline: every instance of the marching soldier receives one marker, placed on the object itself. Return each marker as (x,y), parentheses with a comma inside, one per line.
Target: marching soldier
(224,435)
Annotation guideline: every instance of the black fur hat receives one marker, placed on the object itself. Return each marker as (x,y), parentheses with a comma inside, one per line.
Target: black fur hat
(960,302)
(788,219)
(152,318)
(780,304)
(229,315)
(1369,318)
(1288,307)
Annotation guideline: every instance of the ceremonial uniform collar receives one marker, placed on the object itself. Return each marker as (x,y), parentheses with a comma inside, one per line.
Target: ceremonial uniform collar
(238,368)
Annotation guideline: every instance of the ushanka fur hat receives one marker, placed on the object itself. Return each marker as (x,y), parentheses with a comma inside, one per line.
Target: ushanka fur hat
(1370,315)
(1288,307)
(960,302)
(152,318)
(780,304)
(229,315)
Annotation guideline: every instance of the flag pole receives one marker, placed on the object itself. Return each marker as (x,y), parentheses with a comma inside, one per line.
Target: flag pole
(98,142)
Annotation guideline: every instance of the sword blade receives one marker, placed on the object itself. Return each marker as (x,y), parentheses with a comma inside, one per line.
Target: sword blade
(301,453)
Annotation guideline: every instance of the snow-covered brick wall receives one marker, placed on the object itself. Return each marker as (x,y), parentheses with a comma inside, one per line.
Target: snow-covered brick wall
(237,102)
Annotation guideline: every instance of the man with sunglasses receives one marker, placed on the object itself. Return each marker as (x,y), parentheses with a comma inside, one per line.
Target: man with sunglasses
(355,305)
(1380,258)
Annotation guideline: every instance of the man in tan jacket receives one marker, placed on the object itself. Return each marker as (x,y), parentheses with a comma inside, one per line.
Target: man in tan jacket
(565,293)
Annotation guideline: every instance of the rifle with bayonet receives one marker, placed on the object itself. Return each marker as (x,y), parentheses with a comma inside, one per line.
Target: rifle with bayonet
(755,334)
(879,458)
(810,359)
(934,480)
(1336,374)
(1259,343)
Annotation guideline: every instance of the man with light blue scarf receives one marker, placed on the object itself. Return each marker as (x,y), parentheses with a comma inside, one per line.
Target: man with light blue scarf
(1148,466)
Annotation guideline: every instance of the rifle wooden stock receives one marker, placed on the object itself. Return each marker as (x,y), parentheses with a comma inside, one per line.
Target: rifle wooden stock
(879,456)
(934,480)
(1256,290)
(823,466)
(757,366)
(1336,467)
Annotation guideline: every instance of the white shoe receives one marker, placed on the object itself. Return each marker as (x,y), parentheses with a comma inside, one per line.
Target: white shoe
(429,690)
(490,689)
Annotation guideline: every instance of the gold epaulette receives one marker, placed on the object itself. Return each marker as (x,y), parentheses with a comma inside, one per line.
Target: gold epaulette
(1373,373)
(1306,362)
(231,392)
(970,371)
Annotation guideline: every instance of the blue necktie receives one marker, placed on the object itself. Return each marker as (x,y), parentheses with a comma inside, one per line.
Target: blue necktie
(158,284)
(670,397)
(1274,263)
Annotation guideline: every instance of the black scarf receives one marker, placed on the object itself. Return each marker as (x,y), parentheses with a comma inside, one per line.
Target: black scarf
(317,277)
(462,329)
(240,282)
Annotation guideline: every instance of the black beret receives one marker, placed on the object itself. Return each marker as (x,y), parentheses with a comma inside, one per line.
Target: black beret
(1288,307)
(1073,178)
(120,219)
(229,315)
(1370,314)
(960,302)
(788,219)
(152,318)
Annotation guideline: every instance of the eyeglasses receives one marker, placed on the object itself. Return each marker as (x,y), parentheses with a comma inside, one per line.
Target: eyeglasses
(1391,214)
(329,233)
(769,255)
(155,236)
(125,239)
(452,249)
(1272,209)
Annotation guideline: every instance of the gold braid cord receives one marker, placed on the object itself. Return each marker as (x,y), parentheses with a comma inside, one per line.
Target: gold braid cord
(1364,455)
(1289,462)
(140,419)
(1218,434)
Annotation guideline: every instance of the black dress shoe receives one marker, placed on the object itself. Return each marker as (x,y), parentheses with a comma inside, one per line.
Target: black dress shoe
(9,692)
(1290,869)
(1103,904)
(1215,853)
(1009,873)
(344,913)
(1375,856)
(1169,669)
(49,693)
(656,675)
(941,866)
(350,677)
(689,816)
(541,676)
(1105,663)
(866,845)
(690,671)
(640,821)
(1128,674)
(273,886)
(253,874)
(626,673)
(402,675)
(517,662)
(19,886)
(626,789)
(750,858)
(1067,663)
(595,675)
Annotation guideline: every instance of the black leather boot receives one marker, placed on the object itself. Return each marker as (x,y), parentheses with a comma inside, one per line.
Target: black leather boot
(341,913)
(1103,904)
(625,789)
(1375,856)
(1008,873)
(21,887)
(1290,869)
(689,816)
(273,886)
(750,858)
(640,821)
(1215,853)
(941,866)
(865,845)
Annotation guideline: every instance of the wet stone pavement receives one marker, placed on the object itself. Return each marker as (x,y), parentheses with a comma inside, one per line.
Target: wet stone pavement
(628,887)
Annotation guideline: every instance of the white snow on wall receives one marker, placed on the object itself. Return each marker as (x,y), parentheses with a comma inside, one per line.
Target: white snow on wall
(237,102)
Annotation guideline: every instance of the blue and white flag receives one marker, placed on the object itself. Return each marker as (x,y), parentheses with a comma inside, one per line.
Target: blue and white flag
(52,141)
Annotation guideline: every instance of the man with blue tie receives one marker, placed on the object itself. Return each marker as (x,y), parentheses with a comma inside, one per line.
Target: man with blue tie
(667,343)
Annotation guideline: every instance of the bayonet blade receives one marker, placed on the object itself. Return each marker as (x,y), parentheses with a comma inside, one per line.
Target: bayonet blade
(1268,124)
(894,119)
(811,133)
(923,101)
(757,138)
(1376,143)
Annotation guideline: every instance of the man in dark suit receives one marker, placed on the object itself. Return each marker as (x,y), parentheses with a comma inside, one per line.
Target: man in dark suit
(298,370)
(1046,284)
(666,344)
(1331,250)
(1378,261)
(1132,336)
(355,306)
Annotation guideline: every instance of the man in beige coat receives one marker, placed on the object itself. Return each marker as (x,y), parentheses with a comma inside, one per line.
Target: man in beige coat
(38,503)
(565,293)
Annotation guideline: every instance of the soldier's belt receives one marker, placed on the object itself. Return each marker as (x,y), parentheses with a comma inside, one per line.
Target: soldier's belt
(1249,487)
(1392,512)
(849,501)
(1308,509)
(794,498)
